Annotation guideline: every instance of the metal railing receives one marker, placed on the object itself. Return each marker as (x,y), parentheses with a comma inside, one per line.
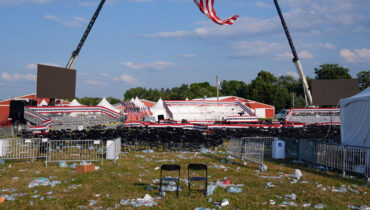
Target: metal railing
(253,150)
(247,148)
(22,149)
(336,156)
(75,151)
(7,131)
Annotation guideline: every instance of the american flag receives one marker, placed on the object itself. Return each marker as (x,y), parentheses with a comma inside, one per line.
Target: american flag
(206,7)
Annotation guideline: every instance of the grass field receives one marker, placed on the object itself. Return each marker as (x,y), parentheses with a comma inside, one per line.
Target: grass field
(135,171)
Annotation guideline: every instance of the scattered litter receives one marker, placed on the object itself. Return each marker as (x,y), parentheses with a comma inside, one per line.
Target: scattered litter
(271,177)
(234,189)
(291,196)
(148,151)
(147,201)
(306,205)
(262,168)
(211,189)
(294,181)
(320,206)
(140,156)
(63,164)
(272,202)
(288,203)
(201,208)
(225,202)
(15,178)
(269,185)
(298,173)
(156,168)
(2,162)
(92,202)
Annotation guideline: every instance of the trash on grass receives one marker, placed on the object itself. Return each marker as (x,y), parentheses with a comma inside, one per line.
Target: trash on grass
(234,189)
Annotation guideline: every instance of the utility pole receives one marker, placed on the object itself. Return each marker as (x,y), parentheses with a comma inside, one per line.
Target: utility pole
(217,87)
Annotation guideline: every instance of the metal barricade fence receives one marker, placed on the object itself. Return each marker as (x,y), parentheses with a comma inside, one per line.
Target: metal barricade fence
(235,148)
(308,150)
(291,147)
(357,160)
(247,148)
(345,158)
(21,149)
(75,150)
(330,155)
(253,150)
(7,131)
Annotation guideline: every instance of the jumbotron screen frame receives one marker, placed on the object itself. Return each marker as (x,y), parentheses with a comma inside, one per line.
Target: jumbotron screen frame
(55,82)
(329,92)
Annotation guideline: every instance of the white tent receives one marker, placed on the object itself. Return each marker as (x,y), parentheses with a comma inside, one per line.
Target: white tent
(158,109)
(355,119)
(43,103)
(138,103)
(74,103)
(106,104)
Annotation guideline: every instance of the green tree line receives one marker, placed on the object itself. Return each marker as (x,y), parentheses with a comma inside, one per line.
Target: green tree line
(266,88)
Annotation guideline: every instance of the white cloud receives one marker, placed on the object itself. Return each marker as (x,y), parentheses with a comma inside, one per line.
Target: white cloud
(127,78)
(105,75)
(172,34)
(317,46)
(33,66)
(94,82)
(188,55)
(305,55)
(256,48)
(157,65)
(263,4)
(73,22)
(293,74)
(16,76)
(289,56)
(356,56)
(17,2)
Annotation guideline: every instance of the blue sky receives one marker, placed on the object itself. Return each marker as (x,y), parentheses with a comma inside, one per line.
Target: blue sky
(165,43)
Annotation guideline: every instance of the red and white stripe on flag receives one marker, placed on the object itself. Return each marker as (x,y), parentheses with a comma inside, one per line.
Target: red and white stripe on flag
(206,7)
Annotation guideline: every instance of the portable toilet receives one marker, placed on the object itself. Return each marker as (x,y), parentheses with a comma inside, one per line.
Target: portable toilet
(278,149)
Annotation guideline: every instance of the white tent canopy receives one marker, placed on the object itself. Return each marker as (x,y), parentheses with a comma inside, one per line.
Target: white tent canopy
(43,103)
(355,119)
(74,103)
(138,103)
(158,109)
(106,104)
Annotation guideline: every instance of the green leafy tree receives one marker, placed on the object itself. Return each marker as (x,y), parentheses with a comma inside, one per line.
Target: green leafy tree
(199,90)
(364,79)
(113,100)
(234,88)
(265,89)
(89,101)
(332,71)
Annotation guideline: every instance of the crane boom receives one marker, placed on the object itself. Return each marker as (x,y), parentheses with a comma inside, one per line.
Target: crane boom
(295,57)
(84,36)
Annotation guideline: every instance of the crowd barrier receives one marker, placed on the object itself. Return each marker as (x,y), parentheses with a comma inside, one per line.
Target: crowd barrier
(345,158)
(22,149)
(7,131)
(247,149)
(58,150)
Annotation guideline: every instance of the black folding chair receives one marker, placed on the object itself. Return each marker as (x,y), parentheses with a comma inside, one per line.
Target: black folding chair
(168,179)
(198,167)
